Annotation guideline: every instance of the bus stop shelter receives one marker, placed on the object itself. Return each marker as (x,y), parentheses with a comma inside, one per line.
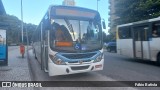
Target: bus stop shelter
(3,44)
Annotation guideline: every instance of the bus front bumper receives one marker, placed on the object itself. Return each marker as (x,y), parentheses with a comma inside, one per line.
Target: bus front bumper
(55,70)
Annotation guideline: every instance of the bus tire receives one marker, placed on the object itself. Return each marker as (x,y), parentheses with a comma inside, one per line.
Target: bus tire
(158,59)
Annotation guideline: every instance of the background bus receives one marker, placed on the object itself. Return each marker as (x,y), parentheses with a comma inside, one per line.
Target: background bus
(69,40)
(137,39)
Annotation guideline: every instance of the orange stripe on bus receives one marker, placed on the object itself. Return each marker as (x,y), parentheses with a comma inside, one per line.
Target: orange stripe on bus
(64,44)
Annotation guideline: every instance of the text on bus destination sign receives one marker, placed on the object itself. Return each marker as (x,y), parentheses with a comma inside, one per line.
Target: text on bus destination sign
(75,13)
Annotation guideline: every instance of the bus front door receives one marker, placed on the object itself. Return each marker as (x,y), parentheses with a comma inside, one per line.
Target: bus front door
(45,50)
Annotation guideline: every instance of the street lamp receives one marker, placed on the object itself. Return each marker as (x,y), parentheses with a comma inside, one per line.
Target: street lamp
(22,19)
(97,4)
(22,47)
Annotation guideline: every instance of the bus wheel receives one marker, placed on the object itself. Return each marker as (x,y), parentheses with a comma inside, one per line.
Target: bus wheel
(158,59)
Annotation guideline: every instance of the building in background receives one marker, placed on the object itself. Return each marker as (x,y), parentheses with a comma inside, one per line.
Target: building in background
(69,3)
(2,10)
(112,17)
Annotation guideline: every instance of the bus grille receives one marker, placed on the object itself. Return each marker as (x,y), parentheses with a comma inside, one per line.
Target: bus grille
(74,62)
(79,56)
(80,67)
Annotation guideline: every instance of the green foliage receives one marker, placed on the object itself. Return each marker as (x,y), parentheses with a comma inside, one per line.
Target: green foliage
(108,38)
(136,10)
(28,28)
(129,11)
(14,28)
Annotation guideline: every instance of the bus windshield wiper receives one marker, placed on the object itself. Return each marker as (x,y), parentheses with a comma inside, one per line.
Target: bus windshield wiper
(70,27)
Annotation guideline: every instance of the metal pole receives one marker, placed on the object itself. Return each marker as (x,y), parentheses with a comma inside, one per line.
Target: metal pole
(97,4)
(22,19)
(27,38)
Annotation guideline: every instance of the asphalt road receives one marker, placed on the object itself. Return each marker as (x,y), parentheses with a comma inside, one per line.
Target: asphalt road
(122,68)
(116,68)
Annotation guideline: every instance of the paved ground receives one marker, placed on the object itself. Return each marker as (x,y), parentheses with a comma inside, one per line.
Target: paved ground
(116,68)
(122,68)
(17,69)
(40,75)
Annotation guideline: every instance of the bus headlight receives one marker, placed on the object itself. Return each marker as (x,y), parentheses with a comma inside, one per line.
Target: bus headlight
(99,58)
(56,60)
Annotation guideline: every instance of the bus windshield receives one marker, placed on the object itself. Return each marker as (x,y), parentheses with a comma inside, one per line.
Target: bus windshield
(75,35)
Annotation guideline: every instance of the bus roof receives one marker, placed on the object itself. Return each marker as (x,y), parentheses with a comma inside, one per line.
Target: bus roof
(139,22)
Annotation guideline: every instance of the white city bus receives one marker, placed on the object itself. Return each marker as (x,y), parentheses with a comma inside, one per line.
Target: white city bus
(136,40)
(69,40)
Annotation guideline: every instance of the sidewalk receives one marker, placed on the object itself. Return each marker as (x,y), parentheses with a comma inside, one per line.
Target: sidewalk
(17,69)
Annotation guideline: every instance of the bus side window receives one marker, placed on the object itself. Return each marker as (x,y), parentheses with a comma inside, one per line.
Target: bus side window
(124,33)
(145,34)
(136,35)
(156,30)
(141,33)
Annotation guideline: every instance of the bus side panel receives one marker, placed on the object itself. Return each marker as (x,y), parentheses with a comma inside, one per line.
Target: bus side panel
(146,51)
(138,49)
(125,47)
(155,48)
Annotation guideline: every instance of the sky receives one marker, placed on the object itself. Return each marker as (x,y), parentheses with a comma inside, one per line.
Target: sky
(34,10)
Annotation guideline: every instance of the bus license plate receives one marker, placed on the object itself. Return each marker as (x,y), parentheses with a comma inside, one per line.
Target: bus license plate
(98,66)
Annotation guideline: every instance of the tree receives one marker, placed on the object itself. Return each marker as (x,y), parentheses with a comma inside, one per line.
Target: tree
(29,28)
(108,38)
(14,28)
(136,10)
(151,8)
